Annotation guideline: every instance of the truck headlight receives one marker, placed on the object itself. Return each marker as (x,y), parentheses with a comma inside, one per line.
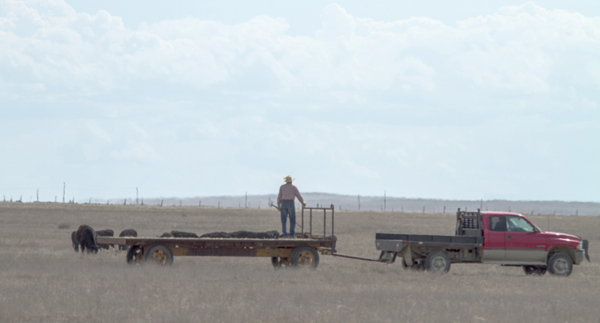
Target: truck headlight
(580,245)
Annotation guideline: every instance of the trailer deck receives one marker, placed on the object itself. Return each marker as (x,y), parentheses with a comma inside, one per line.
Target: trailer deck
(303,250)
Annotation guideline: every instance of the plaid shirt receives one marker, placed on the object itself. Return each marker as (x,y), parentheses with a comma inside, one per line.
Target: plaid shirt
(287,192)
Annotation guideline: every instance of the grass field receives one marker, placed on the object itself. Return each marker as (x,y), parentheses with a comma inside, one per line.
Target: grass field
(43,280)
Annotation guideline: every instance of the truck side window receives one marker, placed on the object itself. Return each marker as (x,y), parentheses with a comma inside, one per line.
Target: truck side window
(497,223)
(518,224)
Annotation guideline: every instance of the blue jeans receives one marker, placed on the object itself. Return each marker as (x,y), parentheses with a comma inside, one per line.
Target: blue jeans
(287,208)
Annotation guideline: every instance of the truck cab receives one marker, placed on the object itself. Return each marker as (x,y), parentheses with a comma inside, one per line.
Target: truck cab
(511,239)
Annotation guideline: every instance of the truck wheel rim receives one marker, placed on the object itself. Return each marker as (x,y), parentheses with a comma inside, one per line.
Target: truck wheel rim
(438,264)
(560,266)
(159,257)
(306,258)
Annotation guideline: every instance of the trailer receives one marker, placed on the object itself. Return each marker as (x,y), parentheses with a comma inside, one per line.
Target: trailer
(300,251)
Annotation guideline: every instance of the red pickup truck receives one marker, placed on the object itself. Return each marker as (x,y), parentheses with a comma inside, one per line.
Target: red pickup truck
(509,239)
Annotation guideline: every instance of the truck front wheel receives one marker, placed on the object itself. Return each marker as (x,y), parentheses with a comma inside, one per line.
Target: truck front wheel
(560,264)
(438,261)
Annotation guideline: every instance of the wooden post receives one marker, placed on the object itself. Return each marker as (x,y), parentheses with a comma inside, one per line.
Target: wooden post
(64,188)
(125,202)
(444,209)
(37,195)
(161,202)
(137,196)
(384,201)
(142,201)
(359,202)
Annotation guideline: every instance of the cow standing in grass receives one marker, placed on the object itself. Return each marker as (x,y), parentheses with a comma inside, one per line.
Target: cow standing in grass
(86,238)
(127,233)
(105,233)
(74,241)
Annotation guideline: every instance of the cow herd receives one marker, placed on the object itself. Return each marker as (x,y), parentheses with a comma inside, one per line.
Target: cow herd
(84,238)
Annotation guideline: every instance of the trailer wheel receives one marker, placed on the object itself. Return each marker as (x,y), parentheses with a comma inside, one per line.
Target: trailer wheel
(134,255)
(306,257)
(534,270)
(560,264)
(437,261)
(159,254)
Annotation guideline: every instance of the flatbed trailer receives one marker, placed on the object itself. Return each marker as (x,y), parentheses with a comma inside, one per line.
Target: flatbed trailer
(303,250)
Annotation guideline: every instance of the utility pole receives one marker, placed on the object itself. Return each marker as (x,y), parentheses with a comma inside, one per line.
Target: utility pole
(37,195)
(359,202)
(137,197)
(64,188)
(384,201)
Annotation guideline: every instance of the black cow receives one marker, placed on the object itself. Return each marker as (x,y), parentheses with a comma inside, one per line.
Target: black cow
(127,233)
(86,238)
(181,234)
(74,241)
(105,233)
(166,235)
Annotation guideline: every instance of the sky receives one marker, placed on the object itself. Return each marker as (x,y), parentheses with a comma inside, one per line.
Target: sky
(460,100)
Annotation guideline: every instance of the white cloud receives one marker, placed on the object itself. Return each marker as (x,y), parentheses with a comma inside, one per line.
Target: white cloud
(47,45)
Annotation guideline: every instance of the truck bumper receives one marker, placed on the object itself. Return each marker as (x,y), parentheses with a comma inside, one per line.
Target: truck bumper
(579,254)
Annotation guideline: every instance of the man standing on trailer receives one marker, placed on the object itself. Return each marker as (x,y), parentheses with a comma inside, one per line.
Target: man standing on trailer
(285,203)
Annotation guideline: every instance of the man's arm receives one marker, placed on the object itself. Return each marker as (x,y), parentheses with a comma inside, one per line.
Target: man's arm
(297,194)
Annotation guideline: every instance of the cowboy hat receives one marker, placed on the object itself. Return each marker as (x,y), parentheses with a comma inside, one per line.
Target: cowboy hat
(288,179)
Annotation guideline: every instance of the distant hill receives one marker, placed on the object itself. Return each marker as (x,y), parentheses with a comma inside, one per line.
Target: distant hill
(395,204)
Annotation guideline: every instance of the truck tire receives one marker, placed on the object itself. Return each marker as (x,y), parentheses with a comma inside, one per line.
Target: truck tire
(437,262)
(159,254)
(305,256)
(534,270)
(560,264)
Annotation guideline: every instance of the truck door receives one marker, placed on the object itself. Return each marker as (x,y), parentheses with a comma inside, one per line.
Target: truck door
(494,239)
(523,243)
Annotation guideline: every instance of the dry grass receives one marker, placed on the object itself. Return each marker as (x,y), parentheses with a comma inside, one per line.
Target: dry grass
(43,280)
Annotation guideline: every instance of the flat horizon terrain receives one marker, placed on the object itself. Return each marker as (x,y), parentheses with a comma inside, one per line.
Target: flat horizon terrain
(43,280)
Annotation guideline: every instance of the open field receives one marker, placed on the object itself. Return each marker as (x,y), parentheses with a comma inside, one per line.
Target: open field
(43,280)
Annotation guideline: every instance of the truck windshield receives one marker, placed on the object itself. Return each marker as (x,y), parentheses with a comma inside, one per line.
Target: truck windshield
(518,224)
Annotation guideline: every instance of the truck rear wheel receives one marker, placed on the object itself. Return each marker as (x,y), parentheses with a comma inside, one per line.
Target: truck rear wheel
(437,261)
(560,264)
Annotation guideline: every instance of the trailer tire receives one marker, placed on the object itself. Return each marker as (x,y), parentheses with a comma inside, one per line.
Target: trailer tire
(560,264)
(159,254)
(534,270)
(437,262)
(133,255)
(305,257)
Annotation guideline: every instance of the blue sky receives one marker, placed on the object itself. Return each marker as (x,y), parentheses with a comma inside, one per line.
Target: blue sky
(456,101)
